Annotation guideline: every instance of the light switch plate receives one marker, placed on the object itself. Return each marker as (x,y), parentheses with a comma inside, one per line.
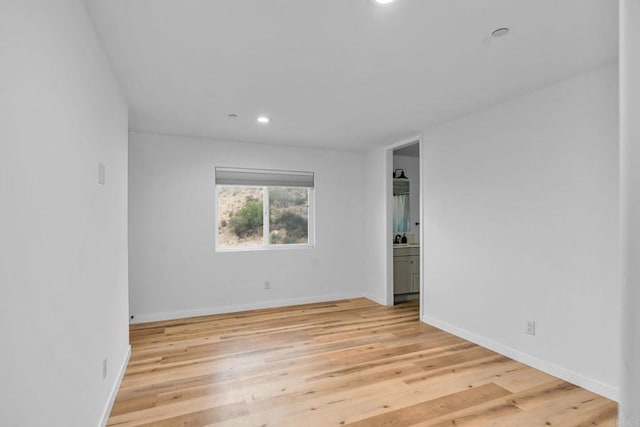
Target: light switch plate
(102,172)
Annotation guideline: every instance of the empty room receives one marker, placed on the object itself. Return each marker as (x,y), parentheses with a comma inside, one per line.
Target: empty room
(319,213)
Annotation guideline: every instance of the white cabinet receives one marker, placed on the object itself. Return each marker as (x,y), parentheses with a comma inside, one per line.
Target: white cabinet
(406,269)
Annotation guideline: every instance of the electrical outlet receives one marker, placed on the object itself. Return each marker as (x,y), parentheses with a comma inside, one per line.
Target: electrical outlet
(104,368)
(267,284)
(531,327)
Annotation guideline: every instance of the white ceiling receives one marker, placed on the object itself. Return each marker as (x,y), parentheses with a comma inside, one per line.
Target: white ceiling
(340,73)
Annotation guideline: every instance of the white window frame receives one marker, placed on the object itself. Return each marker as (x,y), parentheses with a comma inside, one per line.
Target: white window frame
(266,241)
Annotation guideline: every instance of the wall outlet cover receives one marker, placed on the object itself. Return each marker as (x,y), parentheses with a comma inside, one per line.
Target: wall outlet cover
(531,327)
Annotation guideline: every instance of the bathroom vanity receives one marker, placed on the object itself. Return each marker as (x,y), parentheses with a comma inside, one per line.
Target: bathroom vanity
(406,268)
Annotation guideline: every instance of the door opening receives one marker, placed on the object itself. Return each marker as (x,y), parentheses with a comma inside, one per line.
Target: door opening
(405,214)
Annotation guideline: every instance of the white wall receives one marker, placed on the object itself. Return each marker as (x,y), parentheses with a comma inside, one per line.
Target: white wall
(377,221)
(411,166)
(174,269)
(630,209)
(521,222)
(63,237)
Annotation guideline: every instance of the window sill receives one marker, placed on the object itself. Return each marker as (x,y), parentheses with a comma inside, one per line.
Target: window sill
(263,248)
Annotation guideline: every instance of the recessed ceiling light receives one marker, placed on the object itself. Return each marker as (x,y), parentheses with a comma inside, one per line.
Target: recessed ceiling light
(383,2)
(500,32)
(264,120)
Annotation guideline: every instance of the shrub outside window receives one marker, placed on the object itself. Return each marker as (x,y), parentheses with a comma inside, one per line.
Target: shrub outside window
(263,216)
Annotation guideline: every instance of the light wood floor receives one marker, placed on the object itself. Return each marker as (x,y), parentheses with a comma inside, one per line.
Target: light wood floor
(349,362)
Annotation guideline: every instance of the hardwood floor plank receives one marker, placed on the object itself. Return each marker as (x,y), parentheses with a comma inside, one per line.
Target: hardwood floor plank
(349,362)
(433,408)
(203,417)
(478,415)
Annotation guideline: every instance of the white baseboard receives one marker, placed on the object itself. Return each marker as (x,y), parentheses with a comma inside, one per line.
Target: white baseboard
(155,317)
(573,377)
(375,298)
(115,388)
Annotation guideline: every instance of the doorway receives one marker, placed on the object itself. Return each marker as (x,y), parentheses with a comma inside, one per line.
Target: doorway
(405,208)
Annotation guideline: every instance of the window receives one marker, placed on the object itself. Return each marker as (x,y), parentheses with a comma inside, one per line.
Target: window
(263,209)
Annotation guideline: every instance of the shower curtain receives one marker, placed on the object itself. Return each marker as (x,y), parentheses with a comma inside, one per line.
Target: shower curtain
(401,213)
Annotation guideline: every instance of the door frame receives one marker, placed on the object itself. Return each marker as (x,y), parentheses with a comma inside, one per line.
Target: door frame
(388,188)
